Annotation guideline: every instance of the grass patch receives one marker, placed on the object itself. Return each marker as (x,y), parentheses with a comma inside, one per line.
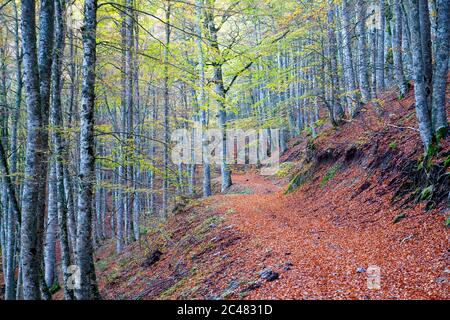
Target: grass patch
(330,174)
(393,145)
(286,169)
(201,230)
(101,265)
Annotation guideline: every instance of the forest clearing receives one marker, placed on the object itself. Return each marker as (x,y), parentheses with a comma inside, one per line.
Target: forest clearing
(224,150)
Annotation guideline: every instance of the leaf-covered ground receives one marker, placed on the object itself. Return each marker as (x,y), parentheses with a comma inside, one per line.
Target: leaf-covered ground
(320,238)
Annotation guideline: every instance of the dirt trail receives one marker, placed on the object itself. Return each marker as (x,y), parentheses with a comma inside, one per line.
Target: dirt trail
(317,243)
(320,239)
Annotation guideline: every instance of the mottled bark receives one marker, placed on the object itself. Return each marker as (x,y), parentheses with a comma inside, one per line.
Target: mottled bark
(423,115)
(381,42)
(165,203)
(220,93)
(440,121)
(32,210)
(361,11)
(427,55)
(353,97)
(202,99)
(87,288)
(397,49)
(51,230)
(59,144)
(45,55)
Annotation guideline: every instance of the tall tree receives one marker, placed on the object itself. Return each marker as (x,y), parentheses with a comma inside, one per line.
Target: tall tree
(353,97)
(165,204)
(33,202)
(361,11)
(397,49)
(202,99)
(439,118)
(381,43)
(87,287)
(422,111)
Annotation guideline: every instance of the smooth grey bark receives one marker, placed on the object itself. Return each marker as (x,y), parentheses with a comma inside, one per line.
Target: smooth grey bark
(381,44)
(129,105)
(14,214)
(10,222)
(340,53)
(33,195)
(167,29)
(202,99)
(220,93)
(51,230)
(68,182)
(373,61)
(137,142)
(427,55)
(334,105)
(406,41)
(361,11)
(87,289)
(439,114)
(397,49)
(353,97)
(59,144)
(122,172)
(422,111)
(45,56)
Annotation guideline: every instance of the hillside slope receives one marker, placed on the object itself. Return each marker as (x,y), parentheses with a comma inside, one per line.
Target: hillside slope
(348,211)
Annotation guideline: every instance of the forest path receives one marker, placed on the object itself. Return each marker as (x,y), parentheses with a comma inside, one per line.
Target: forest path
(320,249)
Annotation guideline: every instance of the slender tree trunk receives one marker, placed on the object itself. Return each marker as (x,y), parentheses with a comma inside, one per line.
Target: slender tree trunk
(348,62)
(221,96)
(337,110)
(422,111)
(381,43)
(397,49)
(165,203)
(202,100)
(440,121)
(32,210)
(427,55)
(88,284)
(51,230)
(60,144)
(362,49)
(45,55)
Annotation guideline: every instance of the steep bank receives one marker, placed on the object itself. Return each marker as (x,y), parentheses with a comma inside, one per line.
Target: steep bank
(348,211)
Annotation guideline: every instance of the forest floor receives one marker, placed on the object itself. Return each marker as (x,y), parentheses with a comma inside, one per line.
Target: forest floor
(315,242)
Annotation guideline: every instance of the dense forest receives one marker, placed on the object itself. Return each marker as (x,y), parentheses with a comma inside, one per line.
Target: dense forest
(92,92)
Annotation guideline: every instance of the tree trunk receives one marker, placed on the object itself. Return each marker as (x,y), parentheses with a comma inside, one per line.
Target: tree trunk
(348,62)
(423,115)
(337,110)
(440,122)
(381,42)
(202,100)
(166,114)
(221,96)
(362,49)
(60,144)
(51,230)
(87,288)
(32,210)
(397,49)
(427,56)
